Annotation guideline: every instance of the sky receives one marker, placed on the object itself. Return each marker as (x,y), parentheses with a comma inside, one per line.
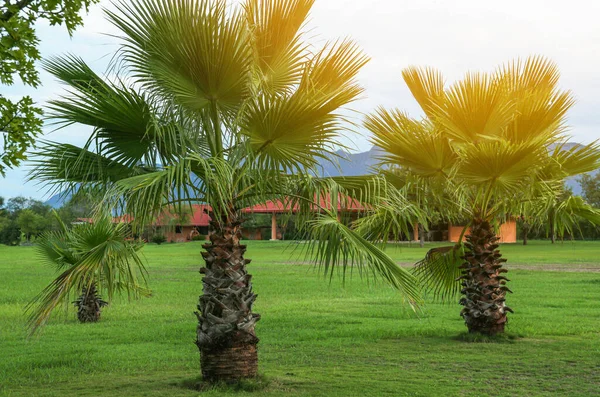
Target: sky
(452,36)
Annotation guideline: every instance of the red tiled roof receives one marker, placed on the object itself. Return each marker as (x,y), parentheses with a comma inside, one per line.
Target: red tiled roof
(200,215)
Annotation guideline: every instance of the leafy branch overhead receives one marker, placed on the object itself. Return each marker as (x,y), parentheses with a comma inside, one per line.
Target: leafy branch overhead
(20,119)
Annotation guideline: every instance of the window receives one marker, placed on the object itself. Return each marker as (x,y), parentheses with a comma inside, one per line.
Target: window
(178,229)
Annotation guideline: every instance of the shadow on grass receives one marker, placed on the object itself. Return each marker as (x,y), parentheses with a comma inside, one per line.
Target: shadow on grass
(259,383)
(481,338)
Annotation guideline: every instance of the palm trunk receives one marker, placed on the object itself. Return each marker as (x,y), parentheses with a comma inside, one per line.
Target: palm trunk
(421,236)
(552,231)
(89,305)
(525,231)
(225,332)
(484,286)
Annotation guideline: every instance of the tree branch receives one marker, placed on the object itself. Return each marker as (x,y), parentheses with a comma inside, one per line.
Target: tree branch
(11,13)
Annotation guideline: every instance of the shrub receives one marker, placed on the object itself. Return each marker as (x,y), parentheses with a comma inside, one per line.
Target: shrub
(158,239)
(198,237)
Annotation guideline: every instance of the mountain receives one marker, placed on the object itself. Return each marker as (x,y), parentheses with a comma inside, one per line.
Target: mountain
(58,200)
(350,164)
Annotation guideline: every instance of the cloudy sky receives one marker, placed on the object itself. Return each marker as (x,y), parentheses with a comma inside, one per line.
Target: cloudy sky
(453,36)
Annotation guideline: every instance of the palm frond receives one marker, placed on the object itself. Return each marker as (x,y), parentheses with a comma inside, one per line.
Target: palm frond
(125,125)
(413,144)
(577,160)
(290,132)
(276,36)
(336,246)
(567,214)
(67,168)
(439,271)
(427,87)
(476,108)
(191,50)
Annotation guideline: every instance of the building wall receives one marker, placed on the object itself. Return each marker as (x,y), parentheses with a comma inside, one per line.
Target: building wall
(259,233)
(507,232)
(185,235)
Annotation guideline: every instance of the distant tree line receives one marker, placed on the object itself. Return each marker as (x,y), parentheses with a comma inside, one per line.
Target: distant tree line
(22,219)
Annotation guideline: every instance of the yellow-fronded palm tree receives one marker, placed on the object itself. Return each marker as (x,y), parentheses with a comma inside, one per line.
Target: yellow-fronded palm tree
(494,141)
(227,106)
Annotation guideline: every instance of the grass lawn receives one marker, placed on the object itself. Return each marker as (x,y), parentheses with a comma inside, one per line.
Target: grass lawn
(317,338)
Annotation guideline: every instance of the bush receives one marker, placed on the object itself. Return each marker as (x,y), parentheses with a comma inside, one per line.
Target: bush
(158,239)
(198,237)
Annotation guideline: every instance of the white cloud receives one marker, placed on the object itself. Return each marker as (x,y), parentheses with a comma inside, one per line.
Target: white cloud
(454,36)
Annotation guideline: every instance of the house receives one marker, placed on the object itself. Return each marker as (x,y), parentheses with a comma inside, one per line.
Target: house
(195,221)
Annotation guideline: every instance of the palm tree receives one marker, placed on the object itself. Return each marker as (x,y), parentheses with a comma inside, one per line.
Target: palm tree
(231,107)
(92,257)
(488,138)
(562,213)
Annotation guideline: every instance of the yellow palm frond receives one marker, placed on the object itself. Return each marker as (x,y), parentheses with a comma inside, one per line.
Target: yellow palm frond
(540,106)
(498,163)
(476,108)
(577,160)
(329,78)
(427,86)
(279,52)
(536,73)
(413,144)
(302,126)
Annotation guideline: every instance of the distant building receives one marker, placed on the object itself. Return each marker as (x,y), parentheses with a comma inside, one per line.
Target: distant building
(196,222)
(507,232)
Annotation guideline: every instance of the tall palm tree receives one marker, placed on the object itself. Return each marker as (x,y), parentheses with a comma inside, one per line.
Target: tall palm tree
(92,257)
(488,139)
(227,106)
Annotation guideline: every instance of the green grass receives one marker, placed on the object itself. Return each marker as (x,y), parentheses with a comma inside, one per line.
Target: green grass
(317,338)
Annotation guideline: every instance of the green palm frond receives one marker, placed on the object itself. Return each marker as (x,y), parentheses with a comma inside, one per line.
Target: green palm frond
(439,271)
(66,165)
(567,213)
(123,121)
(392,216)
(194,51)
(336,246)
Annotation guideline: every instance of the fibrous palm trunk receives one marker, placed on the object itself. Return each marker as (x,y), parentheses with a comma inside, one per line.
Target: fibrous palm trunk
(225,333)
(89,305)
(483,284)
